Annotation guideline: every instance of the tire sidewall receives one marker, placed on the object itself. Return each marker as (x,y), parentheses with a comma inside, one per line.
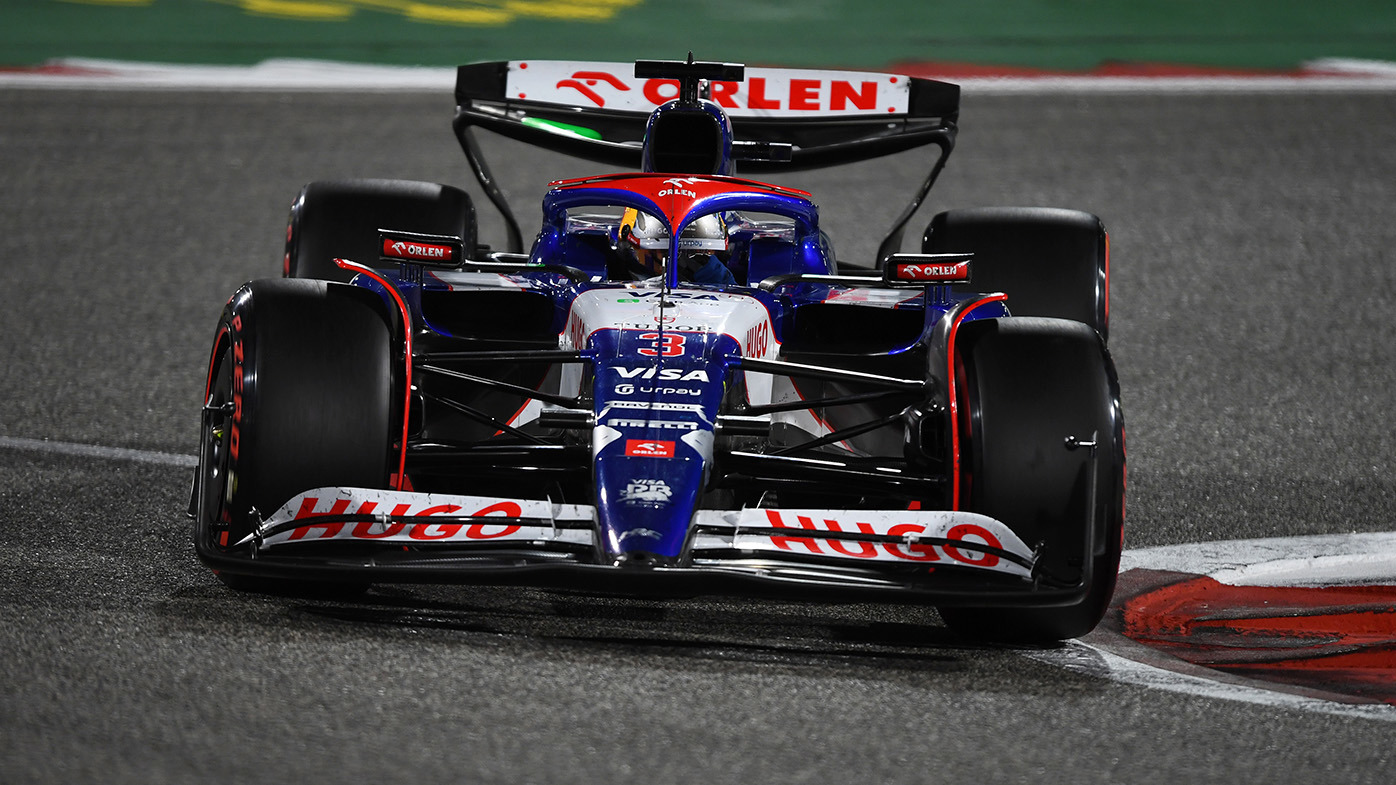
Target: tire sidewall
(311,395)
(1027,384)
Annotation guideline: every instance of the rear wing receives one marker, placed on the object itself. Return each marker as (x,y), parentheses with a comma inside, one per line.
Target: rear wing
(783,119)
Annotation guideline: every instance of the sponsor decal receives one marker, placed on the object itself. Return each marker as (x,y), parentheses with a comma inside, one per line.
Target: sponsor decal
(680,187)
(235,436)
(650,187)
(318,507)
(950,273)
(640,295)
(630,389)
(673,425)
(584,82)
(766,92)
(669,391)
(641,448)
(658,406)
(928,553)
(663,374)
(758,339)
(378,530)
(968,529)
(663,344)
(646,490)
(401,249)
(576,332)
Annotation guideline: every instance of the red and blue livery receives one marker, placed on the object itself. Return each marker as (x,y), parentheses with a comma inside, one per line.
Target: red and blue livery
(678,389)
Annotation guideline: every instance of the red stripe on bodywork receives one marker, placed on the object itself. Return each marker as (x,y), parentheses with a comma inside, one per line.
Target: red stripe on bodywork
(954,399)
(518,411)
(400,479)
(822,422)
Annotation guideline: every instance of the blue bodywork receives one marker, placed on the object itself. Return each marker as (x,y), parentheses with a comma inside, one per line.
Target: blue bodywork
(596,414)
(666,385)
(661,389)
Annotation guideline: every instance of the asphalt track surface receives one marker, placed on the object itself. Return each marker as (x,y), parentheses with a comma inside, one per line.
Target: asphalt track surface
(1254,285)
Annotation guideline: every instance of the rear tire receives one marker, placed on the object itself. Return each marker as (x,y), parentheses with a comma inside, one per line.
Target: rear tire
(1049,261)
(341,218)
(300,385)
(1025,385)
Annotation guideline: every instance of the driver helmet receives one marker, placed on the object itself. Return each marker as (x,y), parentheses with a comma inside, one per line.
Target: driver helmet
(647,238)
(704,237)
(703,251)
(702,246)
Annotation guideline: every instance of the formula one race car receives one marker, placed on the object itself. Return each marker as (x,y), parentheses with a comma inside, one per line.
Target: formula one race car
(678,390)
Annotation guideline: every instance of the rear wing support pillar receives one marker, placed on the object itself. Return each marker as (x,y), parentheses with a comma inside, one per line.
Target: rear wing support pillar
(892,243)
(461,125)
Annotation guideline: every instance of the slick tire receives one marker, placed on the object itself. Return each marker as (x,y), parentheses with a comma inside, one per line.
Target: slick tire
(341,218)
(300,397)
(1025,386)
(1049,261)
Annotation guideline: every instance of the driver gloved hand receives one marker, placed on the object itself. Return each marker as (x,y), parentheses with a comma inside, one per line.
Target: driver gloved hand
(708,269)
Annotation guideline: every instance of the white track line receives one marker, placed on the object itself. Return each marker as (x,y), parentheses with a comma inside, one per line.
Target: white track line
(1330,75)
(95,451)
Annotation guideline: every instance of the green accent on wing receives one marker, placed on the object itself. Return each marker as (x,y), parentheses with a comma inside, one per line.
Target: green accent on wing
(561,128)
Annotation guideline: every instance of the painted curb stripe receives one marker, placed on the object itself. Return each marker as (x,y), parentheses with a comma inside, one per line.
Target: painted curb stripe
(1102,662)
(1314,561)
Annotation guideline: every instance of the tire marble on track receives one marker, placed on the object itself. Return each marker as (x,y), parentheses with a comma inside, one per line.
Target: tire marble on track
(1253,285)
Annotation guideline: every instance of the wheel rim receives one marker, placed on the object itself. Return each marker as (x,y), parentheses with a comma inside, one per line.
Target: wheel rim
(216,483)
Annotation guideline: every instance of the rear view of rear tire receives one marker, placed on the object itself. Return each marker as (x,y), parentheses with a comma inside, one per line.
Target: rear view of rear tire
(299,397)
(341,218)
(1027,387)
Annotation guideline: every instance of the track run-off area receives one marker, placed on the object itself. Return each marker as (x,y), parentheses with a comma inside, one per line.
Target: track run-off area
(1253,282)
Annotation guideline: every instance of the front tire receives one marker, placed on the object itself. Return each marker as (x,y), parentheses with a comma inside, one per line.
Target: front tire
(1027,385)
(299,397)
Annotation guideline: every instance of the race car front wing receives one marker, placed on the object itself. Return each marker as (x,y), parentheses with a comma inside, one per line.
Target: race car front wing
(360,534)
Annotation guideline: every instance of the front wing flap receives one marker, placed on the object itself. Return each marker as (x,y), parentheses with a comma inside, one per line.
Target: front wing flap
(405,536)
